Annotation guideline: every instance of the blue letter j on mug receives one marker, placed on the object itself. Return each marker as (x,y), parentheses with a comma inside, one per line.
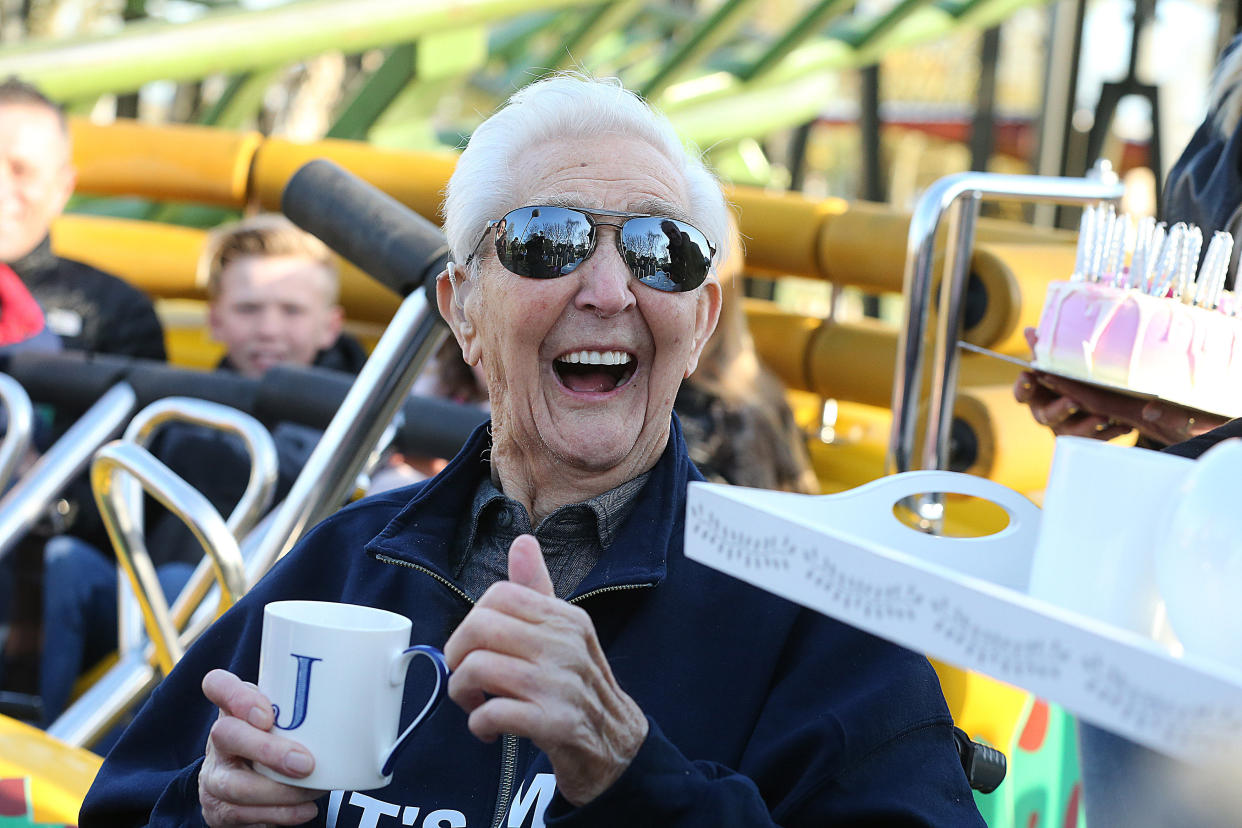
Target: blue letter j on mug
(300,694)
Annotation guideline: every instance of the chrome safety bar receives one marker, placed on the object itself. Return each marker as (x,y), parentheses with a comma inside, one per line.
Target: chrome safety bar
(19,429)
(101,706)
(328,477)
(959,196)
(185,502)
(23,505)
(132,678)
(254,502)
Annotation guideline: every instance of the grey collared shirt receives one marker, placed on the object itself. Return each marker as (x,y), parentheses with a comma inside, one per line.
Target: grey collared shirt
(573,538)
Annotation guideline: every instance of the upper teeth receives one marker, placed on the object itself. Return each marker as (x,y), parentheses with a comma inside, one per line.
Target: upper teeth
(597,357)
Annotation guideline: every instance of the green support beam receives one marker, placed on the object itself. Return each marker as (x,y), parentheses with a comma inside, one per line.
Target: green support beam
(235,41)
(596,23)
(377,93)
(242,98)
(713,31)
(805,28)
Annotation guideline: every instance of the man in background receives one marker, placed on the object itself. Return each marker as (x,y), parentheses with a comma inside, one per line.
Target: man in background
(88,309)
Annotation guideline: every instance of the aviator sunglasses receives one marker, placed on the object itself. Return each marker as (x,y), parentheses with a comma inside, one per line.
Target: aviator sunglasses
(544,242)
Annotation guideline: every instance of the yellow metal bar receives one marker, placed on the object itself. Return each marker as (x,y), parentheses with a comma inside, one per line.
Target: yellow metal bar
(162,260)
(416,179)
(784,232)
(1015,276)
(985,708)
(1013,449)
(59,774)
(845,360)
(159,259)
(853,243)
(178,163)
(856,453)
(783,340)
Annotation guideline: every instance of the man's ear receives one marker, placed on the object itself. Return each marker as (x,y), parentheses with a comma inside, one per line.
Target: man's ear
(453,289)
(66,181)
(213,322)
(706,316)
(334,321)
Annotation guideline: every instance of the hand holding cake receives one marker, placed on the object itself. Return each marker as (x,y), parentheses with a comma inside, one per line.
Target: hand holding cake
(1156,327)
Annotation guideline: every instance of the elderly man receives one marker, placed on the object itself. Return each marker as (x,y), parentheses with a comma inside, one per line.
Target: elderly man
(87,308)
(600,678)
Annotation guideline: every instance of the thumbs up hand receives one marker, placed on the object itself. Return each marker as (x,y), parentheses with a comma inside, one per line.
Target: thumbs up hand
(526,566)
(527,663)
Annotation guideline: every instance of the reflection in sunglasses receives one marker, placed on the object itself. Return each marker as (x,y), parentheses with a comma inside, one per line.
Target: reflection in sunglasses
(545,242)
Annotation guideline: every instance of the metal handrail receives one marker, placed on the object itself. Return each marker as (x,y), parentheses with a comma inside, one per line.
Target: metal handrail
(185,502)
(958,195)
(23,505)
(414,333)
(19,429)
(254,501)
(264,465)
(132,678)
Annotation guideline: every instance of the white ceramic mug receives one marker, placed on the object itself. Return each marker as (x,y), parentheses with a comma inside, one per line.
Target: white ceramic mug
(1105,509)
(335,674)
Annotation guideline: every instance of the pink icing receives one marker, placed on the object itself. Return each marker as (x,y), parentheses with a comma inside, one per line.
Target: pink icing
(1154,345)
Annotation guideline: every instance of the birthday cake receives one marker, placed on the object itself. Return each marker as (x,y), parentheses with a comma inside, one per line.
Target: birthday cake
(1155,327)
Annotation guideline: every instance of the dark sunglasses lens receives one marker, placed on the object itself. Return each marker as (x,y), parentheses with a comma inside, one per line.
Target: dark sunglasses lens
(543,242)
(666,254)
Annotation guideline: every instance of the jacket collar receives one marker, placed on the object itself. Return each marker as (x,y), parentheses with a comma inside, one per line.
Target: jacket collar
(424,530)
(36,261)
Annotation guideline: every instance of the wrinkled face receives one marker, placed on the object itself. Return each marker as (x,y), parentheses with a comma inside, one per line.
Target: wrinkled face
(36,177)
(274,309)
(583,369)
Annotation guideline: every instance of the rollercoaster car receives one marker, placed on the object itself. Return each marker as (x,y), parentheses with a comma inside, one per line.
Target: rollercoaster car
(841,376)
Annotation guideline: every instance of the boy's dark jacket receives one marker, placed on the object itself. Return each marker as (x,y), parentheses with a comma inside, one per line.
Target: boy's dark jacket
(761,712)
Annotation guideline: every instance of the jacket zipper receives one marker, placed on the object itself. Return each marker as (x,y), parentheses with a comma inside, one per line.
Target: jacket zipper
(618,588)
(508,742)
(426,571)
(508,772)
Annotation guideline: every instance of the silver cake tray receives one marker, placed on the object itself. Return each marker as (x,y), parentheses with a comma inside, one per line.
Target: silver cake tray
(1106,386)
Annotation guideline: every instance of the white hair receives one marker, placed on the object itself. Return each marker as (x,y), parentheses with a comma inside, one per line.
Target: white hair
(484,184)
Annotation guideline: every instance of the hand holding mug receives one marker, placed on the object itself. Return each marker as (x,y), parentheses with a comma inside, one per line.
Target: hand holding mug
(526,662)
(336,678)
(230,791)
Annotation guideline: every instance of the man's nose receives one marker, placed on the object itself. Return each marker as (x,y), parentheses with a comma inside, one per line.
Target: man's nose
(269,323)
(607,284)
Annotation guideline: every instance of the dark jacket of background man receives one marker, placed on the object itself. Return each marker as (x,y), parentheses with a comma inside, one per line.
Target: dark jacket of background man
(91,310)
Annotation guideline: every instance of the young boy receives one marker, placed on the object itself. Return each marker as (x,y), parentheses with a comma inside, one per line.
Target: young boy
(272,293)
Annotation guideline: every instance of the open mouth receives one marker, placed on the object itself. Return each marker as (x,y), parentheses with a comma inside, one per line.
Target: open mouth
(594,371)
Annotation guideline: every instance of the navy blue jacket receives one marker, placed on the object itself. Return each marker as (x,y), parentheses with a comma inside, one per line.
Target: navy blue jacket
(760,712)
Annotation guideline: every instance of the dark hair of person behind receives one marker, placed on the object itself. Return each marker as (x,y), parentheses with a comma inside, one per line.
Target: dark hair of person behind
(15,91)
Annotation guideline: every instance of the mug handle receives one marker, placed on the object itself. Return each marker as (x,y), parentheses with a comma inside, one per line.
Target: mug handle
(397,676)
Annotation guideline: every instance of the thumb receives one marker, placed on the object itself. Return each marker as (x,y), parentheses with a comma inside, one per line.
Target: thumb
(526,566)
